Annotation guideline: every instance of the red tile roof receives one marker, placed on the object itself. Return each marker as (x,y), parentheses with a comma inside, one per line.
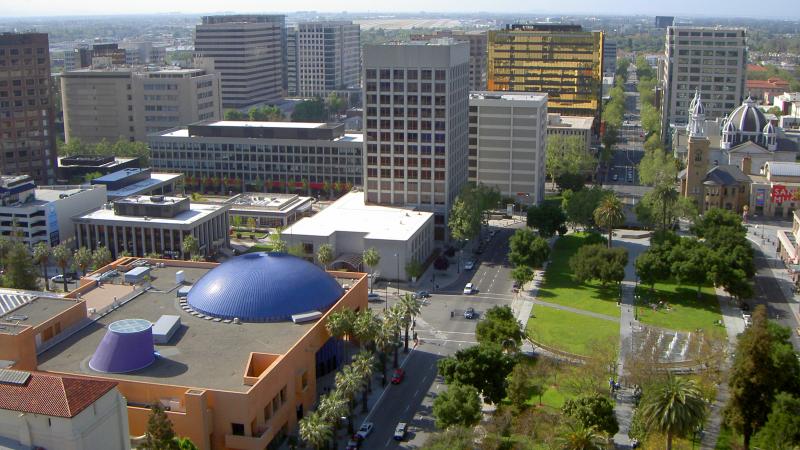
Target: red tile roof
(772,83)
(756,68)
(52,395)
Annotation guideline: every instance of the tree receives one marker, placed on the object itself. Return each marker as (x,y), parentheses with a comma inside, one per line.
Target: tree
(159,434)
(464,220)
(782,428)
(653,265)
(528,249)
(651,118)
(501,328)
(233,114)
(609,214)
(674,408)
(41,255)
(691,262)
(63,259)
(414,269)
(82,259)
(183,443)
(371,258)
(579,206)
(315,431)
(277,243)
(522,275)
(592,410)
(458,405)
(572,181)
(519,386)
(651,213)
(236,222)
(657,167)
(567,155)
(548,218)
(597,262)
(190,246)
(764,365)
(336,104)
(101,257)
(364,365)
(341,324)
(325,254)
(91,176)
(310,111)
(582,438)
(20,272)
(409,308)
(484,367)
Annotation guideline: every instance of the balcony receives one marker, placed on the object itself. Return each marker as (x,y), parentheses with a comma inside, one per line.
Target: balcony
(258,441)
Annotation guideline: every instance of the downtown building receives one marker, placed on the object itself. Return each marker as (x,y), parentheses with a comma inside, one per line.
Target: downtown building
(248,51)
(477,52)
(416,113)
(563,61)
(130,103)
(508,143)
(711,61)
(27,116)
(260,156)
(323,57)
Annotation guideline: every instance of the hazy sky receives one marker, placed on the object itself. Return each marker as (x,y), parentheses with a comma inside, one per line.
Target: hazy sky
(740,8)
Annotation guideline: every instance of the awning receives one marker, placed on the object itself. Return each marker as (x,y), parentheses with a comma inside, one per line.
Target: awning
(352,260)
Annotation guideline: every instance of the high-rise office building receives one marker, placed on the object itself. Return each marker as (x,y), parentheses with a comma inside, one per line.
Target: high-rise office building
(508,142)
(712,61)
(664,21)
(609,58)
(561,60)
(477,52)
(131,103)
(27,136)
(323,57)
(416,112)
(248,52)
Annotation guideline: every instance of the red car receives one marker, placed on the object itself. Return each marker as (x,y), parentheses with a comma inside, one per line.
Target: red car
(398,376)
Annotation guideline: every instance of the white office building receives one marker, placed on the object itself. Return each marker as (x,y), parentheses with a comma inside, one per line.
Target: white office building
(350,226)
(712,61)
(416,117)
(323,57)
(44,214)
(248,52)
(508,142)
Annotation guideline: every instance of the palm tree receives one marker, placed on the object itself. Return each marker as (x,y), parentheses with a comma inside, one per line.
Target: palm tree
(101,257)
(348,381)
(384,340)
(583,438)
(409,307)
(63,258)
(41,254)
(315,430)
(325,255)
(365,328)
(393,318)
(364,366)
(83,259)
(190,247)
(675,408)
(665,195)
(332,407)
(340,325)
(609,214)
(371,258)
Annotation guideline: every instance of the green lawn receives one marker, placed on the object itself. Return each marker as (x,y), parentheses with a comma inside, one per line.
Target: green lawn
(686,312)
(259,248)
(559,287)
(568,331)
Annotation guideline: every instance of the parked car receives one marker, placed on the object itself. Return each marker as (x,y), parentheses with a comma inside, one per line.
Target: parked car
(400,431)
(422,294)
(60,278)
(615,177)
(469,313)
(365,430)
(468,289)
(398,375)
(373,297)
(469,265)
(744,306)
(353,444)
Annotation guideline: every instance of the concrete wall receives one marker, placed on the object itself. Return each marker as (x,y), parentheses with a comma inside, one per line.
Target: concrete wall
(67,208)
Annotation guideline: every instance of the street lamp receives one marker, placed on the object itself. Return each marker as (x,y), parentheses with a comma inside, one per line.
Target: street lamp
(397,258)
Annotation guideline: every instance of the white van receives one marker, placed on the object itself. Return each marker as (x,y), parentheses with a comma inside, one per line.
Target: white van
(469,289)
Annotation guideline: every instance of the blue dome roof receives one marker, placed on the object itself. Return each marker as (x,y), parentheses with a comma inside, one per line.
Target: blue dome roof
(264,287)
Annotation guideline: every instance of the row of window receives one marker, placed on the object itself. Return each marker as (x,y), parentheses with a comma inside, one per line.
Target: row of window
(410,74)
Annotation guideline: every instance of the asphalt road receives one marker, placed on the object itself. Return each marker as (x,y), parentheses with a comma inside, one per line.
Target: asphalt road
(440,336)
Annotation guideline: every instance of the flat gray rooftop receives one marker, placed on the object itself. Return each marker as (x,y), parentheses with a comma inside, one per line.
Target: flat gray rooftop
(38,311)
(203,353)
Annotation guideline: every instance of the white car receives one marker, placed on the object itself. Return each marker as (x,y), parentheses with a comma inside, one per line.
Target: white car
(365,430)
(469,265)
(468,289)
(400,431)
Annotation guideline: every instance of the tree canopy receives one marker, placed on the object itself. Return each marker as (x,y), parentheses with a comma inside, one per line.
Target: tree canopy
(122,147)
(592,410)
(598,262)
(467,212)
(485,367)
(579,206)
(526,248)
(500,327)
(567,155)
(458,405)
(548,218)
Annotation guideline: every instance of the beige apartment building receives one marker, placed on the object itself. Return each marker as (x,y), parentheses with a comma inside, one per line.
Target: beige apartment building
(416,112)
(508,143)
(558,125)
(477,41)
(130,103)
(712,61)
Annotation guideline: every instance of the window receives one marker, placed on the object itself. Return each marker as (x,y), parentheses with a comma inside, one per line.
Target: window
(237,429)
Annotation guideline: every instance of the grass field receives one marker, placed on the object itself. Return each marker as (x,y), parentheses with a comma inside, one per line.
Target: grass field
(259,248)
(559,287)
(686,312)
(568,331)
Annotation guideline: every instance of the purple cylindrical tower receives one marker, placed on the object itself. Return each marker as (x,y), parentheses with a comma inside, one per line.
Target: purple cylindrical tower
(126,347)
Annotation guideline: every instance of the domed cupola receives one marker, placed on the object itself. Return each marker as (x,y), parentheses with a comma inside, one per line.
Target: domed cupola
(728,133)
(748,122)
(770,137)
(697,119)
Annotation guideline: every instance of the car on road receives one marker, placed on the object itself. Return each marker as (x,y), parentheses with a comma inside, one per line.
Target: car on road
(60,279)
(398,375)
(469,313)
(744,306)
(469,265)
(365,430)
(353,444)
(400,431)
(373,297)
(468,289)
(422,294)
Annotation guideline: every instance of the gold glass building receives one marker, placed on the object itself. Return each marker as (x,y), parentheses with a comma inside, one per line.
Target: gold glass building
(564,61)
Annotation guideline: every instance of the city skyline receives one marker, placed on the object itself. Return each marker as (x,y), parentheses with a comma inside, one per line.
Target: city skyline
(736,8)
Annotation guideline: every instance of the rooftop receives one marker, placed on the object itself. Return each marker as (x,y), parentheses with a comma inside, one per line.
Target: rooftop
(574,122)
(50,395)
(351,214)
(783,169)
(203,353)
(139,187)
(508,96)
(196,212)
(37,311)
